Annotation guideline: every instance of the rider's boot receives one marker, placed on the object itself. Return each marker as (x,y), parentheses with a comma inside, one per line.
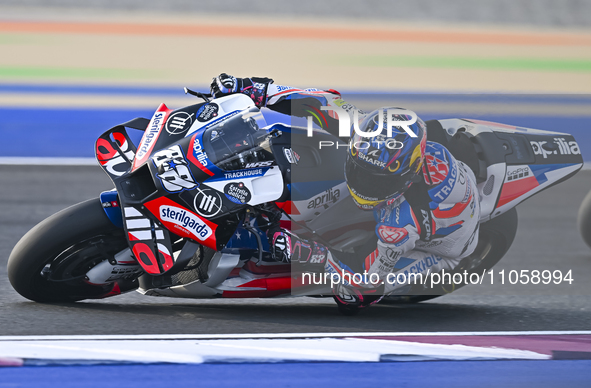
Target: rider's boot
(352,296)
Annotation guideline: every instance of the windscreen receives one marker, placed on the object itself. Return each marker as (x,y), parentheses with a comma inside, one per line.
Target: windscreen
(238,142)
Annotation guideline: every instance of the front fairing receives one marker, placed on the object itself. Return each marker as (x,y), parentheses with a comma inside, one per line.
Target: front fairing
(169,184)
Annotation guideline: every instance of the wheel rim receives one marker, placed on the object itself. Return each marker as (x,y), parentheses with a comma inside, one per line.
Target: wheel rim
(63,275)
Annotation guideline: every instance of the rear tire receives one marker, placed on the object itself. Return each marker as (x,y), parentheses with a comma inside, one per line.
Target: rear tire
(50,262)
(494,240)
(584,219)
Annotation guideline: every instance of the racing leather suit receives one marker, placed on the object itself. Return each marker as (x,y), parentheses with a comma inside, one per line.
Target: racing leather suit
(430,228)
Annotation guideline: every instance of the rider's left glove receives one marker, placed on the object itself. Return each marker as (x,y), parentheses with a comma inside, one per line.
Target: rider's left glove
(225,84)
(254,87)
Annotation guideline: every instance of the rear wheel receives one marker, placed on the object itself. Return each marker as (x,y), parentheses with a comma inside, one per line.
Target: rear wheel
(494,240)
(584,219)
(50,262)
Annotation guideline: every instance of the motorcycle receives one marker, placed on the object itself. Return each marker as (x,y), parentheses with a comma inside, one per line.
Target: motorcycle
(193,201)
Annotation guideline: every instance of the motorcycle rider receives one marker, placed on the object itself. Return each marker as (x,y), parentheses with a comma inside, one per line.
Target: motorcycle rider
(425,202)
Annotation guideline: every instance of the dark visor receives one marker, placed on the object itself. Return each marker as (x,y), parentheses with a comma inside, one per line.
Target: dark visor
(373,186)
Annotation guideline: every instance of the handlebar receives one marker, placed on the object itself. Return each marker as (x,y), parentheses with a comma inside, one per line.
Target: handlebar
(205,96)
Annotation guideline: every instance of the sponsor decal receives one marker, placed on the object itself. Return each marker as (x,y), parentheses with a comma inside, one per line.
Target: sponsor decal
(518,173)
(291,156)
(392,235)
(467,194)
(110,204)
(343,104)
(187,221)
(386,261)
(325,199)
(144,254)
(173,170)
(217,122)
(363,196)
(395,201)
(317,259)
(429,244)
(438,169)
(447,185)
(426,224)
(281,88)
(244,174)
(259,164)
(207,112)
(178,123)
(198,152)
(151,134)
(373,158)
(559,147)
(110,157)
(207,203)
(198,156)
(422,265)
(237,193)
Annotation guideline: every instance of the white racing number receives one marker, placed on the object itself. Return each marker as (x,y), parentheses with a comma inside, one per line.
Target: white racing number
(173,169)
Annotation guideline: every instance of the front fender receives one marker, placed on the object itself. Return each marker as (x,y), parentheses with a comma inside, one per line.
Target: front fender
(112,208)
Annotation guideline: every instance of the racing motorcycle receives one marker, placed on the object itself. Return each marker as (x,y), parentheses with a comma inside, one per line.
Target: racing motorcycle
(194,198)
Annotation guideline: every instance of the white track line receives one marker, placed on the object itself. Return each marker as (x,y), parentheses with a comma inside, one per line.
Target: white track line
(281,335)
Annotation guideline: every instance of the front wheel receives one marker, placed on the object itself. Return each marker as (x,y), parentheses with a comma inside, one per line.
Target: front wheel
(50,262)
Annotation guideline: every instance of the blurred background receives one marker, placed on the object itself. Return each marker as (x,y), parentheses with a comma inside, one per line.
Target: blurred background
(70,70)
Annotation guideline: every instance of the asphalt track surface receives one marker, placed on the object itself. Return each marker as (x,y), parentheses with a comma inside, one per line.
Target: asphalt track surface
(547,239)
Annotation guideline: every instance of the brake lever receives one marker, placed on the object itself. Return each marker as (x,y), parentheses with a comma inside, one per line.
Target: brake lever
(204,96)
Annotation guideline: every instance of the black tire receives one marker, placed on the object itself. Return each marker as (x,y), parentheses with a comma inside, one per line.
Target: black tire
(584,219)
(64,247)
(494,240)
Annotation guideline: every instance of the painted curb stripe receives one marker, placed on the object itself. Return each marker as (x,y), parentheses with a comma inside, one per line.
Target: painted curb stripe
(254,350)
(302,347)
(400,35)
(284,335)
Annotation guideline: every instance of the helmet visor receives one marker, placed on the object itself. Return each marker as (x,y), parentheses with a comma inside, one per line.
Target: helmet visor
(372,186)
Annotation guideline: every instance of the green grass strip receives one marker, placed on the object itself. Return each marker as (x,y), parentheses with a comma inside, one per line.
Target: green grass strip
(532,64)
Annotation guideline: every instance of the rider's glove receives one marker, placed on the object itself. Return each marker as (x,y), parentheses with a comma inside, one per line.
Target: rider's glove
(255,87)
(225,84)
(289,248)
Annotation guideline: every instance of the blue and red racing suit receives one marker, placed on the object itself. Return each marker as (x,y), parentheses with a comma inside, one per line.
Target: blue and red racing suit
(430,228)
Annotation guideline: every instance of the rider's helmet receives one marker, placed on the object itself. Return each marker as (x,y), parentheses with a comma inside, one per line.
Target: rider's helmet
(382,168)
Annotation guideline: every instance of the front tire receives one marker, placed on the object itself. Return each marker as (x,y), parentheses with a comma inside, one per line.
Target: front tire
(50,262)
